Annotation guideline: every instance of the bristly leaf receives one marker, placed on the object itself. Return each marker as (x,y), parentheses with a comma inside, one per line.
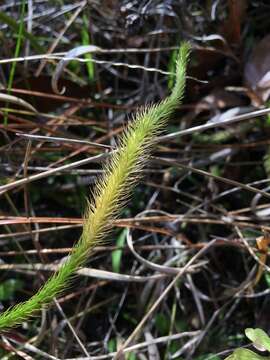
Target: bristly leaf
(111,192)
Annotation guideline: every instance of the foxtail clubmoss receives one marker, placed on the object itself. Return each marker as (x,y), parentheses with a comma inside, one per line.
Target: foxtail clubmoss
(110,194)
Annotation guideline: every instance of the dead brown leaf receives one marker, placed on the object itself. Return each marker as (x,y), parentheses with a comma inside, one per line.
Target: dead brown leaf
(257,72)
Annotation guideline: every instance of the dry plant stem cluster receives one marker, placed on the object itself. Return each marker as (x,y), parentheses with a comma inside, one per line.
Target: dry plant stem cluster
(110,194)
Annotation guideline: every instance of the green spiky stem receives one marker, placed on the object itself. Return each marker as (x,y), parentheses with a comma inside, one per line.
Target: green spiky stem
(110,194)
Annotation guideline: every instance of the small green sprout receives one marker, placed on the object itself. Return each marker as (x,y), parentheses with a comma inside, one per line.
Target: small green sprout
(260,340)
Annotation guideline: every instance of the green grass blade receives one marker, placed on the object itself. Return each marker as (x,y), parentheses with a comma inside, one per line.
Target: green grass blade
(117,254)
(87,41)
(4,18)
(16,54)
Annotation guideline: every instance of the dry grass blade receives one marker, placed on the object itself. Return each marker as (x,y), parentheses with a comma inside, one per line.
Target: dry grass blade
(50,172)
(80,50)
(219,178)
(207,126)
(138,328)
(65,140)
(15,100)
